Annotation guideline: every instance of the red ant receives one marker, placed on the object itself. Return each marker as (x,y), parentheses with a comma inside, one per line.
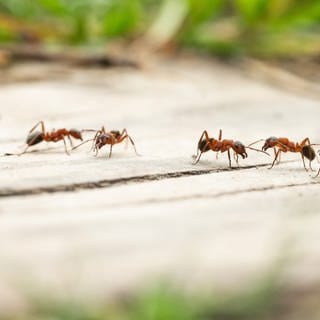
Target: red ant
(103,137)
(35,137)
(205,144)
(285,145)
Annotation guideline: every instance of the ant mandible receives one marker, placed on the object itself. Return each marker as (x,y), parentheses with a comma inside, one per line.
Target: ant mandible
(103,137)
(285,145)
(205,144)
(35,137)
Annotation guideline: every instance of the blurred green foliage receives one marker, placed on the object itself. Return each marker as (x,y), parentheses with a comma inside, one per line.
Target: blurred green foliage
(223,27)
(163,302)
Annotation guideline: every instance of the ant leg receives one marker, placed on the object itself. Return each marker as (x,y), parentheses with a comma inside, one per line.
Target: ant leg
(220,134)
(305,141)
(204,133)
(124,136)
(236,157)
(229,158)
(311,166)
(37,124)
(217,156)
(24,151)
(198,158)
(317,174)
(70,141)
(110,152)
(304,164)
(65,146)
(275,158)
(134,146)
(274,151)
(279,158)
(95,139)
(28,146)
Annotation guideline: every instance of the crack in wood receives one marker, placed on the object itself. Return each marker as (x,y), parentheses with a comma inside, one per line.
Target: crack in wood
(218,194)
(116,182)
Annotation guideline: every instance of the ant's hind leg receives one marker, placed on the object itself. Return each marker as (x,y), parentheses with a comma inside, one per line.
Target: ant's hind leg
(133,144)
(41,123)
(317,174)
(24,151)
(311,166)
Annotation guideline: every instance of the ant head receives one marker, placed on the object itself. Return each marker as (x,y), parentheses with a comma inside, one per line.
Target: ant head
(308,152)
(75,134)
(239,148)
(34,138)
(101,140)
(269,143)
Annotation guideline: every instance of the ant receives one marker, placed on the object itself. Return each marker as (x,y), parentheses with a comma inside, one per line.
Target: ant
(285,145)
(205,144)
(35,137)
(103,137)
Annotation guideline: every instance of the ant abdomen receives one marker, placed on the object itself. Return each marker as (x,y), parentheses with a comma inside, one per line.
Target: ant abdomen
(308,152)
(34,138)
(203,146)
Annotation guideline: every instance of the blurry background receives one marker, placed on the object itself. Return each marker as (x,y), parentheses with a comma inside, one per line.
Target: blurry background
(261,28)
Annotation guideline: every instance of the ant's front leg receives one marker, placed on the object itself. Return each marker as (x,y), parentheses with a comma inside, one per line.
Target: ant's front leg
(65,146)
(275,158)
(275,152)
(110,151)
(236,158)
(70,141)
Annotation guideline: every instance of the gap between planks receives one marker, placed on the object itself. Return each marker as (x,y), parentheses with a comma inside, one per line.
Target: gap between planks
(108,183)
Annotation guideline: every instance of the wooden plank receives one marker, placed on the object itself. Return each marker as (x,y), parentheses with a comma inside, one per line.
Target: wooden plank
(157,214)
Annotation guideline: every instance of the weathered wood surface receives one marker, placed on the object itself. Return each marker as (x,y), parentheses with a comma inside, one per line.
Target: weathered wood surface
(95,225)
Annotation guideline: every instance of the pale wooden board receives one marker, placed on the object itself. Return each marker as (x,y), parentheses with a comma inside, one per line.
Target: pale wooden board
(221,228)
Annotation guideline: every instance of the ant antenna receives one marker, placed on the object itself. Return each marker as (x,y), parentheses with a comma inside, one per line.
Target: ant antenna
(251,144)
(82,143)
(257,150)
